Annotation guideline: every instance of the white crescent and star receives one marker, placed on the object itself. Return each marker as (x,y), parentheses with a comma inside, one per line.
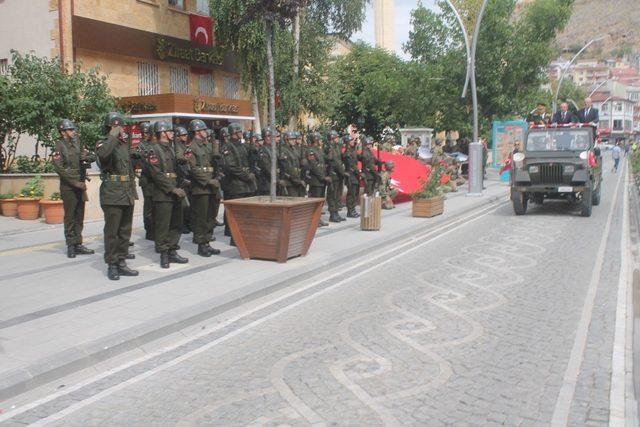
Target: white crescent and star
(202,30)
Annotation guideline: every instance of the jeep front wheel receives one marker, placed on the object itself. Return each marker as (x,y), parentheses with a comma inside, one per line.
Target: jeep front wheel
(519,203)
(596,195)
(587,202)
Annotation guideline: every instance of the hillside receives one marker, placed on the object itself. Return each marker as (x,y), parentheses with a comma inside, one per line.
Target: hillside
(619,20)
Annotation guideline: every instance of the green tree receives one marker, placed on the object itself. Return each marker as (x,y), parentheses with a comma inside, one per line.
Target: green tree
(37,93)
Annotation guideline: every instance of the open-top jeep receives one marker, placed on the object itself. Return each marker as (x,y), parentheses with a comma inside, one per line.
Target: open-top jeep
(557,163)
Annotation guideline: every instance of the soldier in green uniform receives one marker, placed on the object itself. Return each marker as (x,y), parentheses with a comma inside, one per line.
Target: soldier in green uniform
(335,171)
(388,144)
(301,149)
(217,172)
(263,163)
(204,186)
(291,182)
(352,173)
(412,148)
(386,191)
(316,175)
(70,162)
(143,149)
(369,167)
(167,196)
(240,182)
(180,144)
(117,195)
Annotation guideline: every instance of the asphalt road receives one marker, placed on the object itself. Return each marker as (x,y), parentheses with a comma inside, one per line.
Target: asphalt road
(493,319)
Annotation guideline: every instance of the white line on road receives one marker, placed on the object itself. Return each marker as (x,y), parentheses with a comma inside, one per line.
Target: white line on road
(565,397)
(384,256)
(617,403)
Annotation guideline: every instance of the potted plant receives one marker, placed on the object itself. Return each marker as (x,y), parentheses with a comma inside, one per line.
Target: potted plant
(53,209)
(29,200)
(8,204)
(428,201)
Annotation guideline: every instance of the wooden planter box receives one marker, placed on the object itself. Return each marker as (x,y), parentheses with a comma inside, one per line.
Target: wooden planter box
(273,231)
(427,208)
(370,213)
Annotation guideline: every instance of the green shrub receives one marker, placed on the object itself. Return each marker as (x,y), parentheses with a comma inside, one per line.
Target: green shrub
(7,196)
(34,188)
(55,196)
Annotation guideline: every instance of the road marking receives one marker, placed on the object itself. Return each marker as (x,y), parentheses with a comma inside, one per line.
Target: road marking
(617,403)
(565,397)
(384,256)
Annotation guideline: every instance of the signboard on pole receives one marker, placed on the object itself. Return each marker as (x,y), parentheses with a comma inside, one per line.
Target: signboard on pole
(506,134)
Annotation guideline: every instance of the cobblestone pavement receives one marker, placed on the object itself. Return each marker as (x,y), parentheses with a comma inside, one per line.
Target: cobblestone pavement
(476,324)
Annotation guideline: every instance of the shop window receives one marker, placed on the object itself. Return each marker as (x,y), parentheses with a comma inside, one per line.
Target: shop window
(148,79)
(617,125)
(231,88)
(179,80)
(178,4)
(206,85)
(202,7)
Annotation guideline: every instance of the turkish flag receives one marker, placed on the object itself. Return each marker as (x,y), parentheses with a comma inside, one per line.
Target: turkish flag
(406,175)
(201,33)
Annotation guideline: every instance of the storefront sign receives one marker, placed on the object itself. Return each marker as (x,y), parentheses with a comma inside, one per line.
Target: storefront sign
(138,107)
(170,49)
(201,106)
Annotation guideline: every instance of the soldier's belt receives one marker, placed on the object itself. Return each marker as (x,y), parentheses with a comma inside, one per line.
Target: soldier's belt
(117,178)
(208,169)
(73,170)
(170,175)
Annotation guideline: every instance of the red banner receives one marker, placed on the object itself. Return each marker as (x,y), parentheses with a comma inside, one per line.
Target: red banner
(201,33)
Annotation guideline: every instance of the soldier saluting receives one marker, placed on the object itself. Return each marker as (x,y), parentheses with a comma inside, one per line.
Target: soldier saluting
(117,195)
(70,162)
(167,196)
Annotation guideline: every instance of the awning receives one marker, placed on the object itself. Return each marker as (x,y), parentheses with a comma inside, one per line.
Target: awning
(191,116)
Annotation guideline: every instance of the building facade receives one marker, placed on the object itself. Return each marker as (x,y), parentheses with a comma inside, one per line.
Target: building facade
(617,116)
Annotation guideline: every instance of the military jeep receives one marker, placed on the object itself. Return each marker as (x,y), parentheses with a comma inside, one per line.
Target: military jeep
(556,163)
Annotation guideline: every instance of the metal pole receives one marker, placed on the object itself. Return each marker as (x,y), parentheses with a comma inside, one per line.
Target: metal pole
(466,45)
(597,87)
(476,169)
(566,68)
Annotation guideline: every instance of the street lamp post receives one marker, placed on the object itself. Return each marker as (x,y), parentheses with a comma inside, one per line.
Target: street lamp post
(475,148)
(597,87)
(566,68)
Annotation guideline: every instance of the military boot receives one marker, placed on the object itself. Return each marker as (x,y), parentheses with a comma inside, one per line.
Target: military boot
(83,250)
(113,272)
(213,251)
(203,250)
(124,270)
(334,217)
(130,256)
(174,257)
(164,259)
(71,251)
(353,214)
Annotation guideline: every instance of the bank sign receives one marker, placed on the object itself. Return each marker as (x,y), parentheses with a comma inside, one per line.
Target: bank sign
(171,49)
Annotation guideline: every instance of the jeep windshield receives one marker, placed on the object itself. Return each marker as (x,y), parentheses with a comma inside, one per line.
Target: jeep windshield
(559,140)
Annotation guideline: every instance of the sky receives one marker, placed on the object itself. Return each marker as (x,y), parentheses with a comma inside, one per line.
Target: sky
(402,19)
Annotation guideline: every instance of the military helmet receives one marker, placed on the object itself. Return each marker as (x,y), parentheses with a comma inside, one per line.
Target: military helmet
(368,140)
(289,135)
(180,131)
(196,125)
(209,133)
(224,132)
(145,128)
(112,119)
(258,136)
(276,132)
(297,135)
(161,126)
(346,139)
(332,134)
(234,128)
(316,137)
(389,164)
(66,124)
(267,132)
(247,135)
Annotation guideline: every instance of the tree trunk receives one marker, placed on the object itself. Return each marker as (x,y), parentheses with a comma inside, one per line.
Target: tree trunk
(257,126)
(272,104)
(293,120)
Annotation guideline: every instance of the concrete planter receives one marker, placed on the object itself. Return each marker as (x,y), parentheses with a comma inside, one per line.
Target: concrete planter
(53,211)
(28,208)
(273,231)
(9,207)
(427,208)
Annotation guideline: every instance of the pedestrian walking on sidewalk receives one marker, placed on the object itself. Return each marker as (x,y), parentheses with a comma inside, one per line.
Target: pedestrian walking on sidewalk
(117,195)
(167,196)
(615,155)
(71,161)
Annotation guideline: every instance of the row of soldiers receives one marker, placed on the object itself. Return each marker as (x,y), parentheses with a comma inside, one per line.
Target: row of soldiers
(185,172)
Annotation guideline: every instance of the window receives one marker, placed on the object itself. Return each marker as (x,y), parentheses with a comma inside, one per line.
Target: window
(179,80)
(4,67)
(605,107)
(206,85)
(627,125)
(148,80)
(617,125)
(618,107)
(202,7)
(178,4)
(231,89)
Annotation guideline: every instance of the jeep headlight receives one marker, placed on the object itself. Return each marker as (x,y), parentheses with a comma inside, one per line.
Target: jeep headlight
(534,169)
(569,169)
(584,155)
(518,159)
